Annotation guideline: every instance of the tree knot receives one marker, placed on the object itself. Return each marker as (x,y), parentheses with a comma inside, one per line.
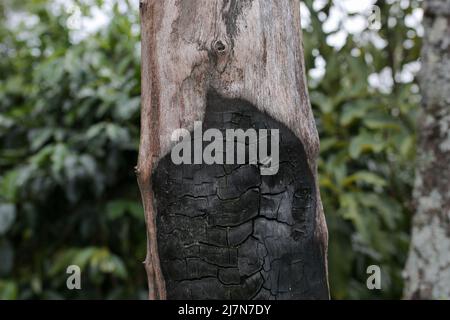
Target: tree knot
(219,47)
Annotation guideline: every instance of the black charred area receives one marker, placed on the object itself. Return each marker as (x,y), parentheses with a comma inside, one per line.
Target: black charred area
(228,232)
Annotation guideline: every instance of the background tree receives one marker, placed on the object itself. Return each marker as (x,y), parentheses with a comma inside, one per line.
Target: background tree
(428,267)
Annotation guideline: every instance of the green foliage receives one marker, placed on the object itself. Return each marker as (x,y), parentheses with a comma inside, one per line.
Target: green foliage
(69,136)
(366,165)
(69,125)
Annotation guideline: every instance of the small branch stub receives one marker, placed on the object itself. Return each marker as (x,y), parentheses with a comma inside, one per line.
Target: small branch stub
(221,54)
(219,47)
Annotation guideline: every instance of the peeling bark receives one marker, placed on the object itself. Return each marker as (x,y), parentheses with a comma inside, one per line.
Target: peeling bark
(427,270)
(201,58)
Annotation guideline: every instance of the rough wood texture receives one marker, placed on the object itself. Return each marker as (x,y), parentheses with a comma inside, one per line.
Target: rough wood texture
(240,49)
(428,267)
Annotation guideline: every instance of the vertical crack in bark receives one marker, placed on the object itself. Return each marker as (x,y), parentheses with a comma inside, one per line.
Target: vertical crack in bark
(231,12)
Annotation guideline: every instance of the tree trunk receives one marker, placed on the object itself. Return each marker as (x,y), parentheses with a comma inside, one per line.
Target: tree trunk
(428,267)
(226,230)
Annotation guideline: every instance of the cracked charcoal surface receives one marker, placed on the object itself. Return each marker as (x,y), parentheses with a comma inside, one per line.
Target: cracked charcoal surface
(227,232)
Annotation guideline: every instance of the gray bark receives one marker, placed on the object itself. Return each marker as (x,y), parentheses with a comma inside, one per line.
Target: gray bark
(198,55)
(427,272)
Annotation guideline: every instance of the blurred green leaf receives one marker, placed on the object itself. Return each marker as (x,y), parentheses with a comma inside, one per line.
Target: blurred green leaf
(364,142)
(7,216)
(8,290)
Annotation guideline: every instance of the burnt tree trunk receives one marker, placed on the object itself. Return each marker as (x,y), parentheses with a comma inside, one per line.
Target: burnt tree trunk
(428,266)
(218,230)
